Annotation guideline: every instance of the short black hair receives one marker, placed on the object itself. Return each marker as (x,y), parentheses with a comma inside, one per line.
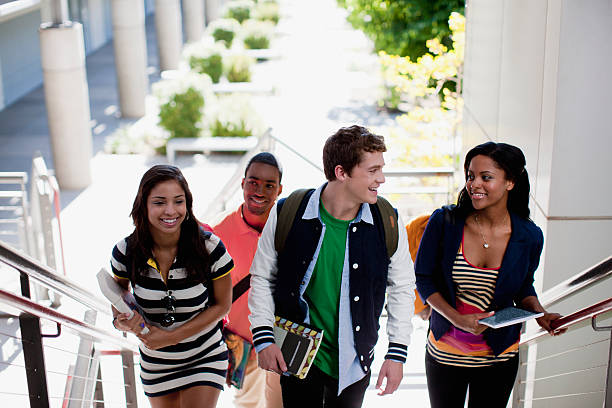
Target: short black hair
(266,158)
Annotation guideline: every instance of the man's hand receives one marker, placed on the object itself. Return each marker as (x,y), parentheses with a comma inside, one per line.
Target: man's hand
(271,359)
(393,371)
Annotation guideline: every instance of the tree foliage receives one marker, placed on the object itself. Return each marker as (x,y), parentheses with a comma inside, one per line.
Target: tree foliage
(402,27)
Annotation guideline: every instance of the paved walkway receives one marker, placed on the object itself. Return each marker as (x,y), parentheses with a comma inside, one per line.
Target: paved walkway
(326,79)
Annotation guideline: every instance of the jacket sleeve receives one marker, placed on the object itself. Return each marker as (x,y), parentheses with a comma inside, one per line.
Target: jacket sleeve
(400,299)
(427,256)
(535,252)
(263,278)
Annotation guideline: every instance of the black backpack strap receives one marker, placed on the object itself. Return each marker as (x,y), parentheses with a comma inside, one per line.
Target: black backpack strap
(241,287)
(287,209)
(389,219)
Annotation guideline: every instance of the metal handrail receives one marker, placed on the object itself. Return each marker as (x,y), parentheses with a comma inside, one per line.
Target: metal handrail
(13,177)
(577,283)
(26,305)
(563,290)
(47,277)
(570,320)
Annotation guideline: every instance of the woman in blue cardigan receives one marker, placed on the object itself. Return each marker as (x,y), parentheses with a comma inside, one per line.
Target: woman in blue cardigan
(475,258)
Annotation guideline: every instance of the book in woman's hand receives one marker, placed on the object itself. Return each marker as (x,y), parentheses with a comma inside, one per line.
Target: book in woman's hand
(123,300)
(508,317)
(299,344)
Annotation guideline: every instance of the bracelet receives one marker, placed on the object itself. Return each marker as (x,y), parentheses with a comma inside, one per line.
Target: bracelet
(114,320)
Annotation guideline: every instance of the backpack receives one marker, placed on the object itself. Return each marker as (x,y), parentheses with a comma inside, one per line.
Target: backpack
(288,209)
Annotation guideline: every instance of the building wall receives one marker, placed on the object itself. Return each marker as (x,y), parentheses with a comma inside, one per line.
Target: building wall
(537,76)
(20,70)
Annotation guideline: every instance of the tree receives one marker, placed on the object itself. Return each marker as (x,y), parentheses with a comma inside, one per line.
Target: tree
(402,27)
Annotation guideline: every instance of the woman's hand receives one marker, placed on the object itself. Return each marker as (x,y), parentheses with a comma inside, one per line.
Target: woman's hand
(469,322)
(133,325)
(545,323)
(157,338)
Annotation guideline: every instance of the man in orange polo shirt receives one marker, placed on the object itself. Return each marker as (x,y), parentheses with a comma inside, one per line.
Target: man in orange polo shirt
(240,230)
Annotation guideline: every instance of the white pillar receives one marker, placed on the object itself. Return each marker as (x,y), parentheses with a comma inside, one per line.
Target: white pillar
(67,100)
(193,17)
(129,42)
(213,10)
(169,33)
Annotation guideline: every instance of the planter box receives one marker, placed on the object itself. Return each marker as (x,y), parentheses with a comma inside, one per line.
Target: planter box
(258,54)
(209,144)
(242,87)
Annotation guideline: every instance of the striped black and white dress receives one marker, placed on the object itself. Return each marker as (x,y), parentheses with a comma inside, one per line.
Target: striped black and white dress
(197,360)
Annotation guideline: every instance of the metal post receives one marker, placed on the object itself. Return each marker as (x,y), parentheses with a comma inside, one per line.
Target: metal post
(99,392)
(78,391)
(33,354)
(608,391)
(129,378)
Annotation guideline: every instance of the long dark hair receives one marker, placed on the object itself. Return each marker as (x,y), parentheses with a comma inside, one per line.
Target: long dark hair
(191,251)
(512,160)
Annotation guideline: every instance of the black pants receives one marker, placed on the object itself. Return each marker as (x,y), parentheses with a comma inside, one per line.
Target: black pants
(489,386)
(319,390)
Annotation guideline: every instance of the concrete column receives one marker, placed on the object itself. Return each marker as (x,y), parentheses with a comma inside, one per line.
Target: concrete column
(169,33)
(67,99)
(193,16)
(213,10)
(129,42)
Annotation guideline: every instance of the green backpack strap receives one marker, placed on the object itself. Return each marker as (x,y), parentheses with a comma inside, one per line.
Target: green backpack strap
(285,217)
(389,219)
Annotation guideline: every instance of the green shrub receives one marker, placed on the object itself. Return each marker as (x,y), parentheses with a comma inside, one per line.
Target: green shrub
(256,34)
(235,117)
(239,68)
(205,57)
(267,11)
(212,66)
(227,36)
(182,114)
(239,10)
(401,27)
(230,129)
(224,29)
(256,43)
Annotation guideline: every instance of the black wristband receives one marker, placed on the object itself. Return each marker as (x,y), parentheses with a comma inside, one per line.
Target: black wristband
(114,320)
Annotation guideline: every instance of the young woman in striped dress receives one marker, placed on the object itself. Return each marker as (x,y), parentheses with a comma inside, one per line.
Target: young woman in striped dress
(475,258)
(180,277)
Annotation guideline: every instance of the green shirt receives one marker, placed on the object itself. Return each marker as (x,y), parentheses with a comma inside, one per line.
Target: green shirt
(323,291)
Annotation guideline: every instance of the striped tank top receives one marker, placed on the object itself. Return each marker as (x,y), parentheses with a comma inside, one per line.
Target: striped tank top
(474,291)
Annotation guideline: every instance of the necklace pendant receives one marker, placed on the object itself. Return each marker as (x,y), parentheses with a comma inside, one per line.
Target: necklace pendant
(485,245)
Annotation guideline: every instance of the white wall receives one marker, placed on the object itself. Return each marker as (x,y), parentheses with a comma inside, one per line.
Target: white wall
(537,75)
(19,56)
